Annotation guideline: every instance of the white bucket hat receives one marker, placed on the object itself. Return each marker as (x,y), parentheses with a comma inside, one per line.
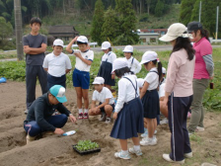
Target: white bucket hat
(58,42)
(119,63)
(82,39)
(148,56)
(128,48)
(98,80)
(105,45)
(164,71)
(174,31)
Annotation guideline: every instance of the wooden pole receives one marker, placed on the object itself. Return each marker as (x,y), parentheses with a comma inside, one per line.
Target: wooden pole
(18,29)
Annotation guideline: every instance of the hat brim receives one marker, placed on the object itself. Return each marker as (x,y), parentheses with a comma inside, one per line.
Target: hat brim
(104,48)
(98,83)
(166,38)
(59,45)
(62,99)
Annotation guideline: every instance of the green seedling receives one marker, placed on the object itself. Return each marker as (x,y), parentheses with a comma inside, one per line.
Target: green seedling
(86,145)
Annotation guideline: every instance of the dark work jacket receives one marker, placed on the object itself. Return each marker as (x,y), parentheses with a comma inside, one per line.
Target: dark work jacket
(41,110)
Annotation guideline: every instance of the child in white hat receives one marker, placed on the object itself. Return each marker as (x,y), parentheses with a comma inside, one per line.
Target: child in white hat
(128,111)
(107,64)
(105,98)
(149,95)
(57,64)
(133,63)
(81,73)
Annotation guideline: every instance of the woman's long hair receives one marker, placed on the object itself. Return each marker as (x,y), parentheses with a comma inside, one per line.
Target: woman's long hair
(184,43)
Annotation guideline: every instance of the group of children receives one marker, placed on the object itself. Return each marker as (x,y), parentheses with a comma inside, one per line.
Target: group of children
(137,106)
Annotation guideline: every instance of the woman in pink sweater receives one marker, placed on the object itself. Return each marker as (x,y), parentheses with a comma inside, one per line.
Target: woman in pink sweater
(178,91)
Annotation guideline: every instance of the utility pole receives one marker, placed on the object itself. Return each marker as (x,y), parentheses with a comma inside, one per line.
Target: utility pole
(217,19)
(200,11)
(18,29)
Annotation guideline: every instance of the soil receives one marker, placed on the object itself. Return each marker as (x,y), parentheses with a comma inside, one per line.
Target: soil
(53,150)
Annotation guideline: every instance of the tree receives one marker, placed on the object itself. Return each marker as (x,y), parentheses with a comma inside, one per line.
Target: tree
(159,10)
(97,22)
(208,15)
(6,31)
(127,20)
(110,28)
(186,11)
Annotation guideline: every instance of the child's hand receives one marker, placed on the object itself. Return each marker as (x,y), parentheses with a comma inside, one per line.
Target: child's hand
(115,115)
(75,39)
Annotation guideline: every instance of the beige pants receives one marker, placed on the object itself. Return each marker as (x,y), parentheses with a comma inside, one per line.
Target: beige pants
(197,111)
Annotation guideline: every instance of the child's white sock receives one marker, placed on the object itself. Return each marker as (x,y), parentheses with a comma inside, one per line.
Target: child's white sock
(124,152)
(80,111)
(136,147)
(85,110)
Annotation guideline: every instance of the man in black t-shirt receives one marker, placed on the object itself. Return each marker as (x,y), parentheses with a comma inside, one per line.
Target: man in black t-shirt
(34,45)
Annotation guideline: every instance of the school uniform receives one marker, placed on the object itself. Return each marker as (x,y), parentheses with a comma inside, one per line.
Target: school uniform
(151,98)
(134,65)
(106,68)
(129,120)
(161,91)
(179,85)
(102,96)
(56,66)
(81,75)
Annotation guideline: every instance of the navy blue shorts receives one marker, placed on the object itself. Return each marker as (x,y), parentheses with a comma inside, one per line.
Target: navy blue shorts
(102,108)
(81,79)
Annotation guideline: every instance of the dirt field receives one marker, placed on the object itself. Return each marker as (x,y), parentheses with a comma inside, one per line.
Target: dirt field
(57,150)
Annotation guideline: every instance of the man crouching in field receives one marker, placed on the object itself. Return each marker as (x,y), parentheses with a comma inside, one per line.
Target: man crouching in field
(40,116)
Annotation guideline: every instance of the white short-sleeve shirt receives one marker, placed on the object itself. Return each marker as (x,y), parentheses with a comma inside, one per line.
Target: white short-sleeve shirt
(162,89)
(134,65)
(57,65)
(109,57)
(80,65)
(152,78)
(103,95)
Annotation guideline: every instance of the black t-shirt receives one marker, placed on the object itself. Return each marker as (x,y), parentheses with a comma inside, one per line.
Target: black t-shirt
(34,42)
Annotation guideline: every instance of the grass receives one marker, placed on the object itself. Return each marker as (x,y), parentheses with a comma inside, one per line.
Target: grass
(212,97)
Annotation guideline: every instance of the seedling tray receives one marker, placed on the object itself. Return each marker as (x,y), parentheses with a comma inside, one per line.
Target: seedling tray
(87,151)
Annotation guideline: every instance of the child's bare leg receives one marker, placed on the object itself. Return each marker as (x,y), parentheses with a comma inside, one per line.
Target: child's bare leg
(123,144)
(108,110)
(145,123)
(79,97)
(155,124)
(150,127)
(136,141)
(86,99)
(93,112)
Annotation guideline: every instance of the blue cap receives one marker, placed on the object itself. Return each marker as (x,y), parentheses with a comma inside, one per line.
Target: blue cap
(58,91)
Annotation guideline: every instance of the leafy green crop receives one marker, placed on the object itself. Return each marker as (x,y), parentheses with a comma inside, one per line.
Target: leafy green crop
(86,145)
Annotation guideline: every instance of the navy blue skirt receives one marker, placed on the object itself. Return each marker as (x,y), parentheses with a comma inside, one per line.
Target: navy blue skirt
(129,121)
(151,104)
(105,72)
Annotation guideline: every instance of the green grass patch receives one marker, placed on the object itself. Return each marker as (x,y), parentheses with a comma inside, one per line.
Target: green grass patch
(212,98)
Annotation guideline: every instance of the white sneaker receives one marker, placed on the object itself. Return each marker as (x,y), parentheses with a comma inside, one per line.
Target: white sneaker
(121,155)
(188,155)
(164,121)
(26,111)
(198,128)
(167,158)
(137,152)
(148,141)
(108,120)
(103,116)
